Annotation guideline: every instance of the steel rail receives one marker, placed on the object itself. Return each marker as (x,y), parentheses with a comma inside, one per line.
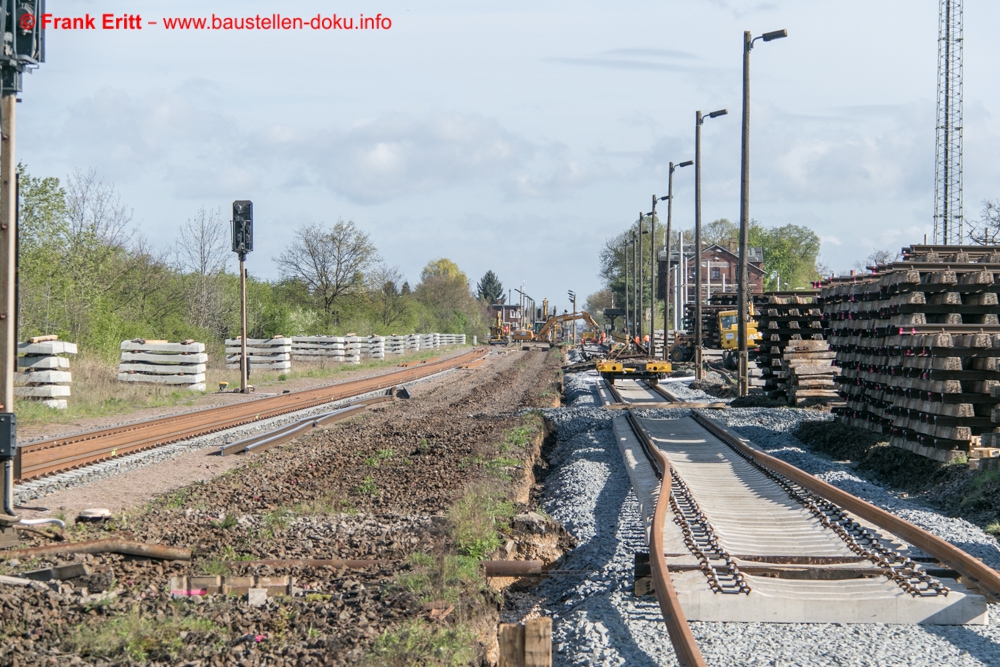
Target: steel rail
(688,653)
(972,570)
(263,441)
(45,457)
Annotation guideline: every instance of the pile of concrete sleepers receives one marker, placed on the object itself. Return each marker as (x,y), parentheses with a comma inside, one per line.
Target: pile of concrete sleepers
(44,371)
(317,348)
(710,333)
(783,318)
(161,362)
(272,354)
(917,342)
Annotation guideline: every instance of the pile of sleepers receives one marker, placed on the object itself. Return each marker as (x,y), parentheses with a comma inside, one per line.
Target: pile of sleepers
(917,343)
(784,318)
(720,301)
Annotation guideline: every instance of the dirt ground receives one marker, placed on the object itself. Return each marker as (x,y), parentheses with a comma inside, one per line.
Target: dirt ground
(381,486)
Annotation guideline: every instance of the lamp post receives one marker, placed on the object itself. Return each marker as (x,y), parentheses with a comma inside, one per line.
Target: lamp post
(699,119)
(639,314)
(634,308)
(670,208)
(627,311)
(743,287)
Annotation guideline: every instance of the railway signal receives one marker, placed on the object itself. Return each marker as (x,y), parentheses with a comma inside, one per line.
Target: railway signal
(24,49)
(242,244)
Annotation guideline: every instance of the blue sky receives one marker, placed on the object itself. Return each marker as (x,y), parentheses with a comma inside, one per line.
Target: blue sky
(518,137)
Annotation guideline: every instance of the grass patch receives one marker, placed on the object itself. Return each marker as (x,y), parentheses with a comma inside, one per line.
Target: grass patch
(140,637)
(367,487)
(418,643)
(324,506)
(226,522)
(475,521)
(993,528)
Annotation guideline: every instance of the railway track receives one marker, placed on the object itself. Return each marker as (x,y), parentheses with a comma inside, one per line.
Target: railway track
(742,536)
(53,455)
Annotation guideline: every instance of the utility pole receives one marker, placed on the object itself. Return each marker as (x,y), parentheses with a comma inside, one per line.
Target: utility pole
(666,236)
(626,289)
(699,119)
(635,309)
(639,313)
(743,288)
(24,50)
(242,244)
(572,297)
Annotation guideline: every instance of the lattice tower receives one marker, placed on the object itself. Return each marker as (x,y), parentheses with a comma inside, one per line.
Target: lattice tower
(948,217)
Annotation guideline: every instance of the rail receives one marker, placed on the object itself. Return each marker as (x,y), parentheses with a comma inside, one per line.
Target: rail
(45,457)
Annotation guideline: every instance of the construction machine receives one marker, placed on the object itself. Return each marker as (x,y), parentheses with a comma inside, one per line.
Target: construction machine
(498,332)
(728,323)
(548,328)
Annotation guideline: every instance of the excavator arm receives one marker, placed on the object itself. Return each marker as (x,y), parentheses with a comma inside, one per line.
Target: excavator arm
(569,317)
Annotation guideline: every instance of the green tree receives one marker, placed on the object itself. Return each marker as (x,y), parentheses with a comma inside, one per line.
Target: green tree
(330,261)
(489,288)
(790,254)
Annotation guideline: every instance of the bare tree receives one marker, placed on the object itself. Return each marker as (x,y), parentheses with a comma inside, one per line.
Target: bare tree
(878,256)
(202,252)
(987,230)
(330,261)
(96,211)
(385,294)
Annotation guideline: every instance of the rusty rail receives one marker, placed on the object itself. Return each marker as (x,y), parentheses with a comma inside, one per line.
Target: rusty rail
(688,653)
(972,570)
(44,457)
(125,547)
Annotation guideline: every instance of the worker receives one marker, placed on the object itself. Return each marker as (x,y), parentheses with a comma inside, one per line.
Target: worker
(646,339)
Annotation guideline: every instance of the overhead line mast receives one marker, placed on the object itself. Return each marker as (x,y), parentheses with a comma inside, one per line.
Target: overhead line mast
(948,216)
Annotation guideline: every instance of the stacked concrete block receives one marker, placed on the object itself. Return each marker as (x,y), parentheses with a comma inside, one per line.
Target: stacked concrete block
(353,348)
(395,344)
(44,374)
(273,354)
(317,348)
(427,342)
(413,343)
(160,362)
(376,347)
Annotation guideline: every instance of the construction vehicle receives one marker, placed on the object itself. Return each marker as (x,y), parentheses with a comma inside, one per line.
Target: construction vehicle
(647,370)
(544,333)
(522,335)
(728,323)
(498,332)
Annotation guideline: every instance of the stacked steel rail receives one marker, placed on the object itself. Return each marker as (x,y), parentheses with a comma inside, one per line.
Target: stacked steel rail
(917,342)
(44,457)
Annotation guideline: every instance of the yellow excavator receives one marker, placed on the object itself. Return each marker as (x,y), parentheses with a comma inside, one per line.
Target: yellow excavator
(548,328)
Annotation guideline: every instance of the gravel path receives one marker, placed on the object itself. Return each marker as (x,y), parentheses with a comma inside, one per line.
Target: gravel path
(599,622)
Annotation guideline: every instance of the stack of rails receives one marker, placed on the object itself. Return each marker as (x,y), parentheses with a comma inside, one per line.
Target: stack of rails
(782,318)
(917,342)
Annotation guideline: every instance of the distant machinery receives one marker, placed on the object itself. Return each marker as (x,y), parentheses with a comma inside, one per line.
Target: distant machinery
(948,216)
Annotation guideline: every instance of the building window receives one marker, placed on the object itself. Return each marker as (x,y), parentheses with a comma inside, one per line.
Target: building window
(716,274)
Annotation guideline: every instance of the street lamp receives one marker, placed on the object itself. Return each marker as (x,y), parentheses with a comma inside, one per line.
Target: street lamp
(699,119)
(743,278)
(639,314)
(670,208)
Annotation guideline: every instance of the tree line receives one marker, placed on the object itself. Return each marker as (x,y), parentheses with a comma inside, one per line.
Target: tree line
(791,258)
(87,274)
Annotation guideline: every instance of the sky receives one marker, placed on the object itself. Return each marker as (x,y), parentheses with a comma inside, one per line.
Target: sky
(515,137)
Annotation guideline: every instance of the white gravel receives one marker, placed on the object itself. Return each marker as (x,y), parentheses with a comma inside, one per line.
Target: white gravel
(599,622)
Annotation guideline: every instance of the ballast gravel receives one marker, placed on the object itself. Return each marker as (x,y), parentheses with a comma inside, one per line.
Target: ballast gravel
(41,487)
(598,621)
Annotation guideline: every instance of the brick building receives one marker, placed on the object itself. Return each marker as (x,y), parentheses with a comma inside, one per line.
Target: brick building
(719,269)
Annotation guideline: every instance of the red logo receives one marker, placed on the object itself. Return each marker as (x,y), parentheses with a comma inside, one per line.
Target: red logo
(27,21)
